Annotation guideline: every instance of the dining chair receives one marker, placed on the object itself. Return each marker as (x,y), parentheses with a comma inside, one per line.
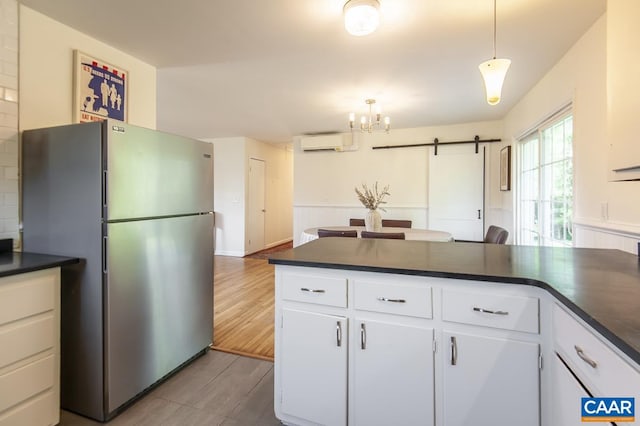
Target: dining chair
(356,222)
(384,235)
(397,223)
(496,235)
(335,233)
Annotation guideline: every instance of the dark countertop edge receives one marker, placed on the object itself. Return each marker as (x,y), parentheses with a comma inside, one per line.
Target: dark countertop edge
(606,333)
(42,261)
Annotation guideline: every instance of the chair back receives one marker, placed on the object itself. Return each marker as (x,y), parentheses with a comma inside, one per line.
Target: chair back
(356,222)
(396,223)
(496,235)
(335,233)
(384,235)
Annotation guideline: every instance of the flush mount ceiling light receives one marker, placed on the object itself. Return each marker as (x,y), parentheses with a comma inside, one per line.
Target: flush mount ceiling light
(494,70)
(361,17)
(371,123)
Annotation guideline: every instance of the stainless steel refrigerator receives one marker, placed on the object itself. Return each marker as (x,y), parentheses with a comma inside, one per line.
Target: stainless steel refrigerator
(137,206)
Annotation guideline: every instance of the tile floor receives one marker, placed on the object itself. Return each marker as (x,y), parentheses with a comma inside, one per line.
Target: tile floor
(216,389)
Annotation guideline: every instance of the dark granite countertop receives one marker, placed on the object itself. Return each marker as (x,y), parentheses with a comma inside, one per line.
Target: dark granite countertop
(13,263)
(599,285)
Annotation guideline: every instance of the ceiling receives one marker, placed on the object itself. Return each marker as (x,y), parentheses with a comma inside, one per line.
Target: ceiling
(272,69)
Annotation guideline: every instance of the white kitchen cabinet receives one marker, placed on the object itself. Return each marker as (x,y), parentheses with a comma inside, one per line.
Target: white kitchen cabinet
(490,381)
(30,348)
(393,377)
(565,408)
(623,85)
(601,371)
(313,360)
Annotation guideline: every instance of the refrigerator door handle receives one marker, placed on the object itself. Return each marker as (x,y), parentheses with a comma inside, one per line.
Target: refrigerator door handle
(104,254)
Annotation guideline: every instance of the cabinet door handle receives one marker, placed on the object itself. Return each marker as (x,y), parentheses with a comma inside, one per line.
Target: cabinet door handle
(363,337)
(488,311)
(312,290)
(338,334)
(479,217)
(584,357)
(384,299)
(454,351)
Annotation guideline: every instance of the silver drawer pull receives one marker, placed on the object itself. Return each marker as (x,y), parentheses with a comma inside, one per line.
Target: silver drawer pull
(584,357)
(384,299)
(338,334)
(363,337)
(488,311)
(312,290)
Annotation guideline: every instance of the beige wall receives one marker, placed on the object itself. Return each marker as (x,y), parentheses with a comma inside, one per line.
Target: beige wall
(46,73)
(607,214)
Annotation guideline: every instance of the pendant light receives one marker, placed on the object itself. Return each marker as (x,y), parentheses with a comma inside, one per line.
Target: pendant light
(361,17)
(494,70)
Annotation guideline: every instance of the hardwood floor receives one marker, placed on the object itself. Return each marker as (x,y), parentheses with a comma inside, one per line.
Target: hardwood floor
(243,306)
(216,389)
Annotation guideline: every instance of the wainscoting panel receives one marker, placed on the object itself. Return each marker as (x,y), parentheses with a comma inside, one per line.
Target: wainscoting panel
(597,234)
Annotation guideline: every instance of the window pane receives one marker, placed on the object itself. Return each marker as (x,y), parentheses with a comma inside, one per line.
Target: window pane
(545,186)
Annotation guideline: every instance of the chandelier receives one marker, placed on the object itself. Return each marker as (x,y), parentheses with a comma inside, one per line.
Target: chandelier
(361,17)
(371,123)
(494,70)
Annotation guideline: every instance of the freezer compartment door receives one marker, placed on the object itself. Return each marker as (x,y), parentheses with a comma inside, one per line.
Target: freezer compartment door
(150,173)
(159,300)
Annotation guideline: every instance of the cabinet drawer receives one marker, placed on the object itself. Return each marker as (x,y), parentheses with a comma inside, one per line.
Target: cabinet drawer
(597,366)
(26,382)
(25,295)
(44,410)
(26,338)
(509,312)
(322,290)
(393,298)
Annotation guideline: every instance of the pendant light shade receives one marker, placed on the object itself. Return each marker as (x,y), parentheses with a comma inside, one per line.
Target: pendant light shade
(493,72)
(361,17)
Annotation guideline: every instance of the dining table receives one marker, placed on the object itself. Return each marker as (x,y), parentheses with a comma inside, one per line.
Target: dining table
(415,234)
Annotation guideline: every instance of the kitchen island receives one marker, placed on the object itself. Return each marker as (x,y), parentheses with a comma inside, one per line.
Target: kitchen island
(30,338)
(514,306)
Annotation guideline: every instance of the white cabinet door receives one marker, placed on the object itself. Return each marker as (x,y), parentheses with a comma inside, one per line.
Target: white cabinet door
(567,394)
(393,377)
(314,367)
(490,381)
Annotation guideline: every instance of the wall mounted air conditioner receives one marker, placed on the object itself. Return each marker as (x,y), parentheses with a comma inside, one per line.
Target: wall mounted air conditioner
(334,142)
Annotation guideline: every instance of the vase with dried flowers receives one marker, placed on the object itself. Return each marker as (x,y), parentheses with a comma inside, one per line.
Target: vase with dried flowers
(372,199)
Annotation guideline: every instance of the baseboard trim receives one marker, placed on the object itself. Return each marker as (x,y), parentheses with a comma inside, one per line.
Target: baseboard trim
(229,253)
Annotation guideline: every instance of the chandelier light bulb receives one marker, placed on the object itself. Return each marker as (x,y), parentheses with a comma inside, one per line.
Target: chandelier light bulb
(361,17)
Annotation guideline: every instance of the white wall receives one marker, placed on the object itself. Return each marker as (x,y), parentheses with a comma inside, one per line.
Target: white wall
(580,77)
(278,190)
(324,182)
(229,195)
(9,120)
(231,166)
(46,73)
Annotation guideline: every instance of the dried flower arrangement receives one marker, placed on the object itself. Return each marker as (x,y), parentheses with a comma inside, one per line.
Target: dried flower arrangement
(371,198)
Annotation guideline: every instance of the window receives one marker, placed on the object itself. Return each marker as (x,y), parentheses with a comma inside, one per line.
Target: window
(545,184)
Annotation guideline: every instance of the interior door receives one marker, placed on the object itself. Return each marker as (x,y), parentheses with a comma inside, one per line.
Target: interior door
(256,206)
(456,191)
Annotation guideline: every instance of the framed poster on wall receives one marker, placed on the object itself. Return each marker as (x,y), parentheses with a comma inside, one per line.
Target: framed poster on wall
(100,90)
(505,168)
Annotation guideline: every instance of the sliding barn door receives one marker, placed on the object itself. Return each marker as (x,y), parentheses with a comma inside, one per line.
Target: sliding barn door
(456,191)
